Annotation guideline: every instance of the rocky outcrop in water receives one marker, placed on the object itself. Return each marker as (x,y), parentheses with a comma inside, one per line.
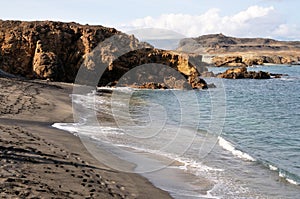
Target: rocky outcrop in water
(56,51)
(242,73)
(172,69)
(150,85)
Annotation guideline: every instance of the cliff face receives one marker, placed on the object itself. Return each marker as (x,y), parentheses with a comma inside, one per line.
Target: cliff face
(231,51)
(47,49)
(56,50)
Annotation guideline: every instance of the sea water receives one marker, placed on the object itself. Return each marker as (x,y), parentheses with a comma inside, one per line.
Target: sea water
(239,140)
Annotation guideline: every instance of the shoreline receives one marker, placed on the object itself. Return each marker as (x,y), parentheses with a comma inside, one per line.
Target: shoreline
(38,160)
(179,182)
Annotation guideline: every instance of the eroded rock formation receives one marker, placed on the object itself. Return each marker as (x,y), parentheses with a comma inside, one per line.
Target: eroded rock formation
(228,61)
(46,49)
(56,51)
(172,69)
(249,60)
(242,73)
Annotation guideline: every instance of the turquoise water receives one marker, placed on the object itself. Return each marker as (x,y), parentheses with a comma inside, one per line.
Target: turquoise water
(243,137)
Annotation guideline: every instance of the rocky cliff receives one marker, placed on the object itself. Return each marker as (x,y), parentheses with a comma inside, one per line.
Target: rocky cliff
(231,51)
(47,49)
(56,51)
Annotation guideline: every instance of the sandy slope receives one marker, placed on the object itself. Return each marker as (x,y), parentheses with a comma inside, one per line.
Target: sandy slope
(40,161)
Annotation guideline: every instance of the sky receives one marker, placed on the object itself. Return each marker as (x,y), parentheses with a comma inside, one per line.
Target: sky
(278,19)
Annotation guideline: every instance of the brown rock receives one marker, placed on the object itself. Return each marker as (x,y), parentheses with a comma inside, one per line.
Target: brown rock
(242,73)
(46,49)
(208,74)
(56,51)
(253,60)
(228,61)
(45,64)
(273,59)
(246,60)
(154,65)
(254,51)
(289,60)
(172,82)
(151,85)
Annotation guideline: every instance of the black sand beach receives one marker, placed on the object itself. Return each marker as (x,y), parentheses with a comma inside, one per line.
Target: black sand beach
(38,161)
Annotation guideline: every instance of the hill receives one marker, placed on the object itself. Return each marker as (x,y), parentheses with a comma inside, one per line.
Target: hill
(243,51)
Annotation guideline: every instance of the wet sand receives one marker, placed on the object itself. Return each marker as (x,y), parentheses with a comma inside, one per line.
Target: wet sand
(38,161)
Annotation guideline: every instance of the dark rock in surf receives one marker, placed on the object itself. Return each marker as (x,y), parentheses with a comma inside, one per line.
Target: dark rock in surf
(242,73)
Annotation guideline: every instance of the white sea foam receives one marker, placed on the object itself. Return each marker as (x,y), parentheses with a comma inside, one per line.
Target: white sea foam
(76,128)
(129,89)
(208,195)
(85,105)
(291,181)
(121,89)
(69,127)
(287,178)
(187,163)
(229,147)
(190,165)
(282,174)
(273,168)
(92,131)
(87,101)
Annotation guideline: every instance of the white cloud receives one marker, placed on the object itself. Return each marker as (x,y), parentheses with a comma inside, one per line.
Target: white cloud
(255,21)
(253,12)
(288,31)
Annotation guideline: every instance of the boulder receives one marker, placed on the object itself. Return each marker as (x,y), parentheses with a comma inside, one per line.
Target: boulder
(253,60)
(150,85)
(231,61)
(242,73)
(272,59)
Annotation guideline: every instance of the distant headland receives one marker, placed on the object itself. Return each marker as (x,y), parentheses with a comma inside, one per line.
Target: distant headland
(231,51)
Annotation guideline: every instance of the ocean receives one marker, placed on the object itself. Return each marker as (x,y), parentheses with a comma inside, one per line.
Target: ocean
(239,140)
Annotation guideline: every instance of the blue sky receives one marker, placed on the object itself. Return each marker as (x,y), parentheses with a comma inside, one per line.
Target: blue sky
(279,19)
